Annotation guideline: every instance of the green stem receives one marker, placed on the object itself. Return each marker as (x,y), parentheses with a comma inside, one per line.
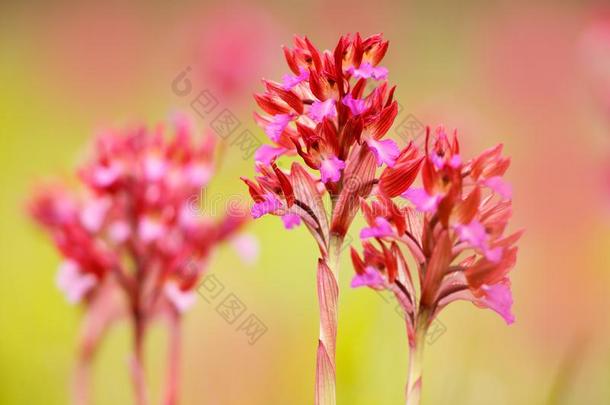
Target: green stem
(138,374)
(416,357)
(82,380)
(334,254)
(328,299)
(173,368)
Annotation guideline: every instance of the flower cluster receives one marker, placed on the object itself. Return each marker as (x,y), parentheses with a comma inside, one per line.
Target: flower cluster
(133,221)
(327,115)
(131,238)
(323,113)
(330,114)
(454,229)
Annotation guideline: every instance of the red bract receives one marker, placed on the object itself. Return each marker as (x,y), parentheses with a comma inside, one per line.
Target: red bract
(132,229)
(456,235)
(331,113)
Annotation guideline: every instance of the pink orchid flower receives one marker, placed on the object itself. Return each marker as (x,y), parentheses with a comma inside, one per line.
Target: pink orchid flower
(336,128)
(456,235)
(132,233)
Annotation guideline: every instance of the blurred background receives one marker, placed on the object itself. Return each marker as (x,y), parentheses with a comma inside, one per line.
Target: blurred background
(532,76)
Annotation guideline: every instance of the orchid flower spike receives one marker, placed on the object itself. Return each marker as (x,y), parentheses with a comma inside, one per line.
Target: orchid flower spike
(455,230)
(330,116)
(132,232)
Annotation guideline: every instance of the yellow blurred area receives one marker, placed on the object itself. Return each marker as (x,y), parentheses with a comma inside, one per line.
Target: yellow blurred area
(507,72)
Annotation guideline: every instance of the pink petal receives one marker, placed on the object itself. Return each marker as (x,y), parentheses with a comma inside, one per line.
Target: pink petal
(104,176)
(494,255)
(321,109)
(119,231)
(370,278)
(438,161)
(455,161)
(155,168)
(498,185)
(473,233)
(74,283)
(276,127)
(149,230)
(181,300)
(385,151)
(247,247)
(422,200)
(190,213)
(271,204)
(330,169)
(366,71)
(355,105)
(498,298)
(381,229)
(291,220)
(94,213)
(267,153)
(198,175)
(379,73)
(289,81)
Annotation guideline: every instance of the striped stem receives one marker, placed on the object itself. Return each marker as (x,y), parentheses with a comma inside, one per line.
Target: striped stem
(137,365)
(328,293)
(416,357)
(173,366)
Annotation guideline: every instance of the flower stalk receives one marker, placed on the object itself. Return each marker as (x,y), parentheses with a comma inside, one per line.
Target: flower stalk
(328,294)
(416,362)
(81,379)
(138,373)
(101,314)
(454,231)
(329,116)
(133,244)
(173,366)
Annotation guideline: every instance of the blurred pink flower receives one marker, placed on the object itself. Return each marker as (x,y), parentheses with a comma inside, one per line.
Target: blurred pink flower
(234,46)
(132,226)
(595,46)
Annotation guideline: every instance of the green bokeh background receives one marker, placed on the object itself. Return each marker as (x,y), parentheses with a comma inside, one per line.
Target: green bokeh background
(503,72)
